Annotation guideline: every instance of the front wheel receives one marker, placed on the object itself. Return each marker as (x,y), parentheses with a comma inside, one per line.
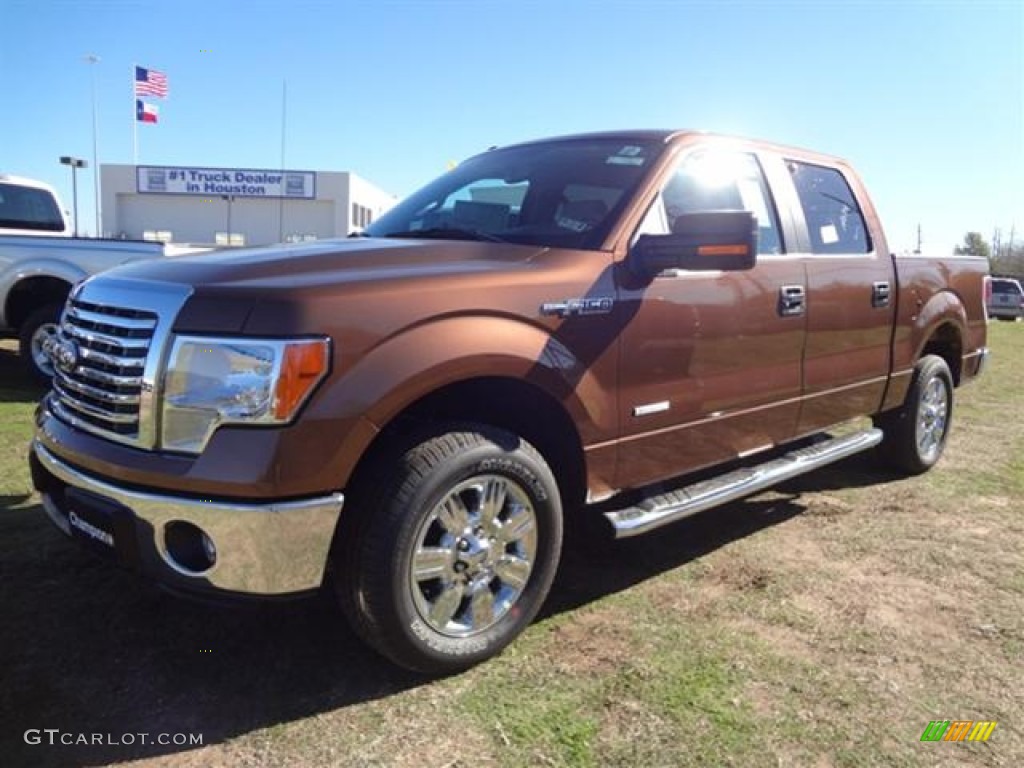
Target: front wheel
(915,435)
(452,550)
(38,328)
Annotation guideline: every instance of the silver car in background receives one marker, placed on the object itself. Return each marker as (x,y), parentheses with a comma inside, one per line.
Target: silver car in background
(1006,301)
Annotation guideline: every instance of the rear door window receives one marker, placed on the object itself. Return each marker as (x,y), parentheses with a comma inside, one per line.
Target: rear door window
(835,222)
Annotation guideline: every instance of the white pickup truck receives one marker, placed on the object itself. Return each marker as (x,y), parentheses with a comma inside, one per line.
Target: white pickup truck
(40,262)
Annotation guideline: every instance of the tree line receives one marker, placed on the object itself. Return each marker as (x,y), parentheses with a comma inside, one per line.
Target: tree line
(1005,256)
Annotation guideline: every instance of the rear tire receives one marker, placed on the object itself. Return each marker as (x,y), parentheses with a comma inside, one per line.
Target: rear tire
(451,549)
(38,327)
(915,435)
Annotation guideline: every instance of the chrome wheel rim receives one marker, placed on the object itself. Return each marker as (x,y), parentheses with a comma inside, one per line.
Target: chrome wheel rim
(932,417)
(40,357)
(473,556)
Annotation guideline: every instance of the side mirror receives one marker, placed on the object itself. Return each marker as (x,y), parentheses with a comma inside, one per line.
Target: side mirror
(715,240)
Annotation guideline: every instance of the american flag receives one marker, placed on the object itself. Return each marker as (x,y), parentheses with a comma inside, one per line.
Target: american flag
(149,82)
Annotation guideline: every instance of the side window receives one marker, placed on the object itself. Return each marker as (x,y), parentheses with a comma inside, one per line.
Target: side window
(714,180)
(834,219)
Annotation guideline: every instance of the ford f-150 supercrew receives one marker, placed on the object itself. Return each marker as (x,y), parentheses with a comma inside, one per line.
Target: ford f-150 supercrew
(411,415)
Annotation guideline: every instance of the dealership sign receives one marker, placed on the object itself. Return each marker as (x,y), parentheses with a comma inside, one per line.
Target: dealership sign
(238,182)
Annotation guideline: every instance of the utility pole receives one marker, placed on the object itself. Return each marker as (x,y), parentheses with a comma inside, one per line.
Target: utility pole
(918,250)
(93,60)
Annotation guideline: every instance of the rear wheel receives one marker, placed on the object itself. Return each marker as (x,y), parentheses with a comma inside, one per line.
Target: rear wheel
(38,328)
(915,436)
(453,549)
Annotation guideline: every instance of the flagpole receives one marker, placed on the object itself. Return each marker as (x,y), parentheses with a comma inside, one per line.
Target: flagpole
(135,124)
(284,114)
(93,59)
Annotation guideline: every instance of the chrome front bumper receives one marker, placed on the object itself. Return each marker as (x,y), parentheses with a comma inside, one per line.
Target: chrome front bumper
(276,548)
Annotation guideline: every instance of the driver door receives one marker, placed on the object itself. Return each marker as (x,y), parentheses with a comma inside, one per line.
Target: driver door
(711,362)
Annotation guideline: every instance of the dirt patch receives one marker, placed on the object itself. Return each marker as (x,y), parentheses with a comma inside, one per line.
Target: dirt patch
(593,641)
(743,575)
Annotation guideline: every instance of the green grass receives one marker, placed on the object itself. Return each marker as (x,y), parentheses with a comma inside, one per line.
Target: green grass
(822,624)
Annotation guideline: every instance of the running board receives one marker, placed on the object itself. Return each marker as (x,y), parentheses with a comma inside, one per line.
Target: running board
(675,505)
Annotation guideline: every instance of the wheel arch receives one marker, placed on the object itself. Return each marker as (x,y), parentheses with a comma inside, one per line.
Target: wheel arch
(940,329)
(32,290)
(946,341)
(512,404)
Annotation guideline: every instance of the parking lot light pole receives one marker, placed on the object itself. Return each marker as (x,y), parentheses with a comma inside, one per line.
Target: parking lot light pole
(75,163)
(230,199)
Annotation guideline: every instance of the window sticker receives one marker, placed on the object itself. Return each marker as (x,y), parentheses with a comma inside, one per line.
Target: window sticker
(573,224)
(829,234)
(627,155)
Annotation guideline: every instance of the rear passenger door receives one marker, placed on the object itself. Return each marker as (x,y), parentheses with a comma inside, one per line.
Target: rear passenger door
(850,293)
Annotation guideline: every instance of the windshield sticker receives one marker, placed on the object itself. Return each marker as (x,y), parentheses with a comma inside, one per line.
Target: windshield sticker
(574,224)
(627,155)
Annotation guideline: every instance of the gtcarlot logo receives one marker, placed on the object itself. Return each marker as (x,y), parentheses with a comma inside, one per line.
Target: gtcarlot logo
(55,736)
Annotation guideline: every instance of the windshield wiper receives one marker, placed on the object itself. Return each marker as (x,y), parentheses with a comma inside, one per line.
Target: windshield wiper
(449,233)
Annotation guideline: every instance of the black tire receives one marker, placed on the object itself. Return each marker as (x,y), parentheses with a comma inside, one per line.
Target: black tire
(425,575)
(30,337)
(915,435)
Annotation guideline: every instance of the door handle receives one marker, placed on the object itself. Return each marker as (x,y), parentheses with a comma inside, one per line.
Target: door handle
(792,300)
(881,293)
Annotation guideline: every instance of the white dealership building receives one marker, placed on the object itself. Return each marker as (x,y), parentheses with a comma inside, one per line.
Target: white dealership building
(234,206)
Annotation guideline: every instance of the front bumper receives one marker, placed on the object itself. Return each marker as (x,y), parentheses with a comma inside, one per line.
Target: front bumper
(271,548)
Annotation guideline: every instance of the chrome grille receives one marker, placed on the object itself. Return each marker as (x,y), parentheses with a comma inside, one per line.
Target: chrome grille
(102,390)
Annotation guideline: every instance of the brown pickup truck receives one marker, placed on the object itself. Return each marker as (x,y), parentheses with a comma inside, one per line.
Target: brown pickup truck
(412,414)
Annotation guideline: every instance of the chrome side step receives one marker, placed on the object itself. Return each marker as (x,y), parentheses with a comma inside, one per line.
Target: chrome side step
(672,506)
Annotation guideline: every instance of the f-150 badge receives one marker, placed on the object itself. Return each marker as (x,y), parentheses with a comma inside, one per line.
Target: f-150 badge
(599,305)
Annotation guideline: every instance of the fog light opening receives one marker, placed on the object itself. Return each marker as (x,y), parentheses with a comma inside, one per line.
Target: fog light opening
(189,549)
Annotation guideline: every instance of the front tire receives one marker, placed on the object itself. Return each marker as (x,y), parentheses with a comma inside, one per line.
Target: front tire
(452,550)
(38,327)
(915,435)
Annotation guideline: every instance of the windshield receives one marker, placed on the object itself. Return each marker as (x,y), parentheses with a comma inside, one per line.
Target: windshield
(29,208)
(562,194)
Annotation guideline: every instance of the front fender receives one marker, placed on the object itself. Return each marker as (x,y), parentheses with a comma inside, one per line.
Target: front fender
(421,360)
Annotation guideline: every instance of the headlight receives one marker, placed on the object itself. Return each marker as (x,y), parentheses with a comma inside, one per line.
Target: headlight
(210,382)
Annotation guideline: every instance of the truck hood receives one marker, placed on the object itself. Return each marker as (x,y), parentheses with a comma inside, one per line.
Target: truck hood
(328,262)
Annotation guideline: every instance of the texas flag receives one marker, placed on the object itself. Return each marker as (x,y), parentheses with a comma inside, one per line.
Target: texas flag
(146,113)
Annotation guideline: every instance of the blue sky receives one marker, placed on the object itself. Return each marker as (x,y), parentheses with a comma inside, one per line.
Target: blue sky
(926,99)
